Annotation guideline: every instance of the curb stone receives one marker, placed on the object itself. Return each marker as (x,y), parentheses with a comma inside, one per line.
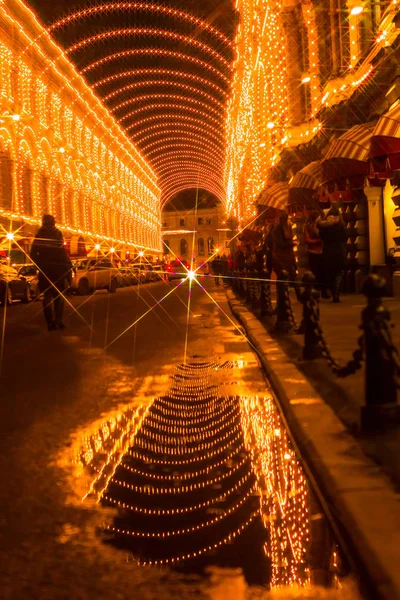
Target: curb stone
(360,497)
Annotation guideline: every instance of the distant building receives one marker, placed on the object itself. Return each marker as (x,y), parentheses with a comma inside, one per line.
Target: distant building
(200,233)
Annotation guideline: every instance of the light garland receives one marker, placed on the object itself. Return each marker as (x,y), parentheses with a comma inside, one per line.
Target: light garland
(108,7)
(35,191)
(175,532)
(170,73)
(151,32)
(186,489)
(181,557)
(180,510)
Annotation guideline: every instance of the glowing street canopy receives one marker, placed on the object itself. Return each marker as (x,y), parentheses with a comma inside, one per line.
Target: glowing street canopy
(167,83)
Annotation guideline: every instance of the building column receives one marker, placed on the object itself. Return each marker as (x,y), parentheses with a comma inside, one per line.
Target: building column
(375,222)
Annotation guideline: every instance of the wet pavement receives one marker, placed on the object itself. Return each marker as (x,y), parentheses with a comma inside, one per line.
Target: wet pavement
(168,430)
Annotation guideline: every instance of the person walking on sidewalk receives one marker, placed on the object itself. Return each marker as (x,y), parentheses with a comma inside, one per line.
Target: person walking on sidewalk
(49,255)
(216,267)
(283,251)
(333,235)
(313,243)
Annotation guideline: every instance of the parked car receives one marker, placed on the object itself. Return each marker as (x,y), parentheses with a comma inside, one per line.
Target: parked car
(145,269)
(127,276)
(31,274)
(159,272)
(92,274)
(138,274)
(177,269)
(12,285)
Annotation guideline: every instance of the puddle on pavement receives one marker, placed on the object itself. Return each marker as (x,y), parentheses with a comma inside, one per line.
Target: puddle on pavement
(205,483)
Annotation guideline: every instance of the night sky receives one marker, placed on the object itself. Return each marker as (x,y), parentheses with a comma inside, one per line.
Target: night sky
(199,149)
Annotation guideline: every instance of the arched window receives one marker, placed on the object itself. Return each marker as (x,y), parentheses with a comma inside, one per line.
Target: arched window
(200,247)
(210,245)
(184,247)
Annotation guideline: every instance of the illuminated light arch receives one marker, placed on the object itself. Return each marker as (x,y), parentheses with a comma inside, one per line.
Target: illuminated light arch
(188,175)
(170,118)
(145,6)
(40,181)
(168,194)
(189,130)
(160,52)
(167,198)
(181,127)
(147,31)
(147,148)
(154,71)
(161,83)
(166,158)
(178,107)
(184,146)
(197,165)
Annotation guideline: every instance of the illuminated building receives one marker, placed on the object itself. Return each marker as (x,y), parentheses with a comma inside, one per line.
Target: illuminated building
(313,84)
(199,233)
(62,152)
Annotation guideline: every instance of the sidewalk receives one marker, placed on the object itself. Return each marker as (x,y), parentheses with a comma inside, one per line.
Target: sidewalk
(340,324)
(349,470)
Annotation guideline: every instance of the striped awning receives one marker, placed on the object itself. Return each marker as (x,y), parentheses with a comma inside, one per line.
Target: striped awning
(309,178)
(346,162)
(385,144)
(275,196)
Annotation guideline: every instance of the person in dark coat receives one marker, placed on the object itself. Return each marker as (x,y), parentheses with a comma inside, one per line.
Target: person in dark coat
(313,243)
(216,267)
(334,237)
(283,248)
(49,255)
(240,260)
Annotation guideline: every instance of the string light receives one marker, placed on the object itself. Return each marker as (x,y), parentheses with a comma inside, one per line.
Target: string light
(46,183)
(151,32)
(181,557)
(170,73)
(175,532)
(160,53)
(176,106)
(108,7)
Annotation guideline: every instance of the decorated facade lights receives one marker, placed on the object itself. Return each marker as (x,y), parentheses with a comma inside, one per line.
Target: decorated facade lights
(22,212)
(283,486)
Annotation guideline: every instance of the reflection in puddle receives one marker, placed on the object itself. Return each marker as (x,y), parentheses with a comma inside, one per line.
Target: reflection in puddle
(209,483)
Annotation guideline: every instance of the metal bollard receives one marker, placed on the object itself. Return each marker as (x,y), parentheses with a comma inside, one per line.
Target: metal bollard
(284,322)
(267,309)
(382,362)
(310,300)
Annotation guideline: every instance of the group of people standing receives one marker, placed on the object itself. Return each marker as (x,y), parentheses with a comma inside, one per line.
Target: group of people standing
(325,238)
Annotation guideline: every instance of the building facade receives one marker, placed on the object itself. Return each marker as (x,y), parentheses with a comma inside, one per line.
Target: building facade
(314,106)
(197,234)
(61,152)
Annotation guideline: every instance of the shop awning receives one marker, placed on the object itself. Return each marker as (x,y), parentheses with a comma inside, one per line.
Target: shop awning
(385,145)
(275,196)
(303,189)
(309,178)
(346,163)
